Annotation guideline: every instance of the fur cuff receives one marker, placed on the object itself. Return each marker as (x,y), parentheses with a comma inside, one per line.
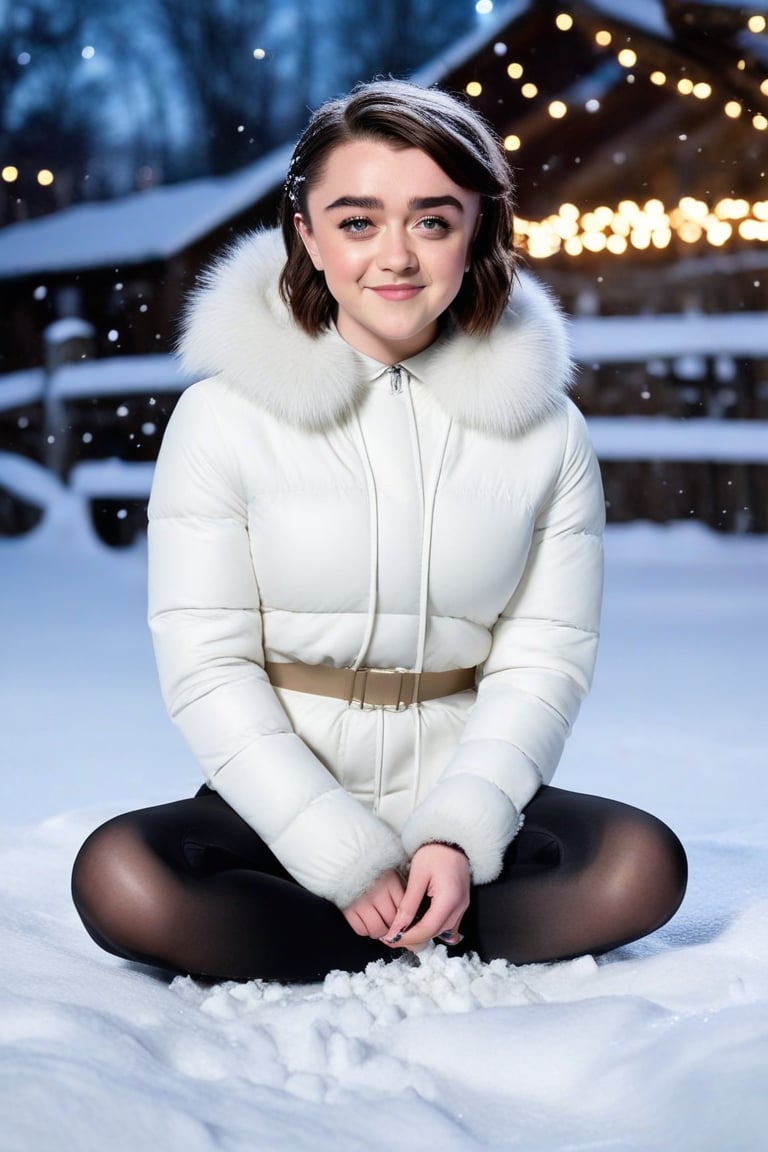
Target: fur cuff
(472,813)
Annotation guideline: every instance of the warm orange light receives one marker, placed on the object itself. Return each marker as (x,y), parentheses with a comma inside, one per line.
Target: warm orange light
(760,122)
(733,109)
(514,71)
(689,231)
(512,142)
(685,85)
(756,23)
(627,58)
(557,109)
(529,91)
(45,177)
(603,38)
(10,173)
(658,78)
(474,88)
(564,21)
(702,90)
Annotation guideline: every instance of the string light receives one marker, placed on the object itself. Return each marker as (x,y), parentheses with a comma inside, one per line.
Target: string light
(642,226)
(10,173)
(630,225)
(45,177)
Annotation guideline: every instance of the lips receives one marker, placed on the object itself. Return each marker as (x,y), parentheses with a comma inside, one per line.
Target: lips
(396,292)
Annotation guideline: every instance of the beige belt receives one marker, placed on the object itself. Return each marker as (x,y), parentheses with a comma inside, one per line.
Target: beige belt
(370,687)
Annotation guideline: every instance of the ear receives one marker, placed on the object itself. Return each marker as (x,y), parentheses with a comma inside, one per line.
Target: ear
(308,240)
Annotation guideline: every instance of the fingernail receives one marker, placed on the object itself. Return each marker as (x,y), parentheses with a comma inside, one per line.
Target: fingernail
(394,939)
(445,936)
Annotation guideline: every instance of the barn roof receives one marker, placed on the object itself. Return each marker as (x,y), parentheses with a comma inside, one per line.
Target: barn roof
(587,121)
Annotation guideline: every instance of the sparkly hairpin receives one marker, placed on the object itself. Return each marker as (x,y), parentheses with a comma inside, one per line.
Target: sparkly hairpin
(293,179)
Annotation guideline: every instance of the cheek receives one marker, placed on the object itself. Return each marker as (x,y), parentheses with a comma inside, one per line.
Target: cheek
(450,267)
(343,265)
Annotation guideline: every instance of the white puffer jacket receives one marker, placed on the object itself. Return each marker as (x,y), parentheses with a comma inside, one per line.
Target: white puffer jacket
(312,505)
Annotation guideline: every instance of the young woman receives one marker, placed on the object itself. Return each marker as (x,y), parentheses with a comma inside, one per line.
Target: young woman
(375,578)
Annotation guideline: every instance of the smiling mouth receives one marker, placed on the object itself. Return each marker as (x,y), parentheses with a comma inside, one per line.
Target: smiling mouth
(397,291)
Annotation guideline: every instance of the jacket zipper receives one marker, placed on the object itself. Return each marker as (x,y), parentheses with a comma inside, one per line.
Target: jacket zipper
(396,379)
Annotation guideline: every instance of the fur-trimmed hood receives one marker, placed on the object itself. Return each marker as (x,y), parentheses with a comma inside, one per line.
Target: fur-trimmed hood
(237,326)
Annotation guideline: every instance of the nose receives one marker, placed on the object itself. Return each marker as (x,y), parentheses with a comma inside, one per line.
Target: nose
(396,253)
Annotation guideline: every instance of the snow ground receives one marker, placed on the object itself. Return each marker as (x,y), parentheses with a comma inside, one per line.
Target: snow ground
(663,1045)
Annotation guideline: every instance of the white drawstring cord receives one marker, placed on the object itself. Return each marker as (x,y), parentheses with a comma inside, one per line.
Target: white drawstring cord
(426,552)
(373,546)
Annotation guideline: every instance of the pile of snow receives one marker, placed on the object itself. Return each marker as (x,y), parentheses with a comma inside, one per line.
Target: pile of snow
(662,1045)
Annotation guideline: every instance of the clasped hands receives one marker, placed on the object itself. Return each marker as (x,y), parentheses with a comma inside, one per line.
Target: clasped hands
(386,911)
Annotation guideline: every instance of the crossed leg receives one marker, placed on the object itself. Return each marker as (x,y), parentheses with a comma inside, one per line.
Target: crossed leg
(190,887)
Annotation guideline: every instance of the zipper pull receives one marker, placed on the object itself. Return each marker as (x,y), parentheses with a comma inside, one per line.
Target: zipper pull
(395,379)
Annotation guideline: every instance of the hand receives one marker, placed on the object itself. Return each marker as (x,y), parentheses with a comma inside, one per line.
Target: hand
(373,912)
(441,873)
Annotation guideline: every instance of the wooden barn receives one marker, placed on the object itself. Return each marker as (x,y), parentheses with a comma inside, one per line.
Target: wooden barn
(638,130)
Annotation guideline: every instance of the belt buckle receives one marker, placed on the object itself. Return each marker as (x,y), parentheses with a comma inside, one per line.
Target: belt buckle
(360,683)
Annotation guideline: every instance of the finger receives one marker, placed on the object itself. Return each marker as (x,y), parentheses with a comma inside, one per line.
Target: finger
(444,916)
(405,914)
(450,936)
(430,926)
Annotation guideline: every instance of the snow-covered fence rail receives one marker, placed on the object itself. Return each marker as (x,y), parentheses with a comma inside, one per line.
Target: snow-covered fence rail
(689,465)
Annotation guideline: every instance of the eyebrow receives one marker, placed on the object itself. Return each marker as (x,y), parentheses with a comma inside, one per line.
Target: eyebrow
(417,204)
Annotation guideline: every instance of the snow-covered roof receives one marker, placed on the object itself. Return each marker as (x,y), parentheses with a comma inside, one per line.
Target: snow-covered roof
(135,229)
(645,14)
(453,57)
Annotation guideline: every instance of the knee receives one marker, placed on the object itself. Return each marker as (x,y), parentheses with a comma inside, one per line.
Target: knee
(112,887)
(648,875)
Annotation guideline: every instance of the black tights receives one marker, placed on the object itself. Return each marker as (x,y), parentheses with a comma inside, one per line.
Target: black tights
(190,887)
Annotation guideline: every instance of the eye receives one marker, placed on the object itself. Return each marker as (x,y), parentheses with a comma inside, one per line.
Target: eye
(434,224)
(356,225)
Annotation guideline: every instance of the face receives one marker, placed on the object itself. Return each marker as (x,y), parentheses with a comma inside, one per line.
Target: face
(392,235)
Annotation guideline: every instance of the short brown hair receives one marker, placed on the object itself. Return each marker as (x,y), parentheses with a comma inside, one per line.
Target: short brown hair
(460,142)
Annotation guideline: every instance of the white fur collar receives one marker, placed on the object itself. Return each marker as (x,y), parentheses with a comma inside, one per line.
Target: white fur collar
(237,326)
